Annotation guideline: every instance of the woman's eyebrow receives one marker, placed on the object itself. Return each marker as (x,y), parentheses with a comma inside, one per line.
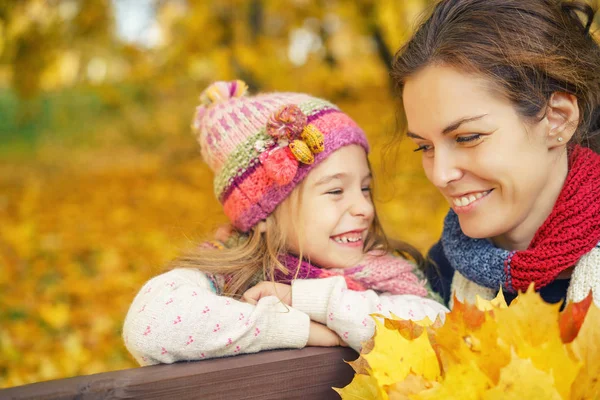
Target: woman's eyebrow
(452,127)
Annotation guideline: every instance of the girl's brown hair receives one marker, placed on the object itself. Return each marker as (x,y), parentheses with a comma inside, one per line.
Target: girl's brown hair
(528,48)
(256,255)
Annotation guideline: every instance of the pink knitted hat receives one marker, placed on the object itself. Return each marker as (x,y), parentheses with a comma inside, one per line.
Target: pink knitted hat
(260,147)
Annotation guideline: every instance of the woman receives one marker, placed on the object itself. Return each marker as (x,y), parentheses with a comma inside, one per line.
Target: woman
(502,99)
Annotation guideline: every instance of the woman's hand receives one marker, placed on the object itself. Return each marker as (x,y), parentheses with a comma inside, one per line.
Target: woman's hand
(321,336)
(266,288)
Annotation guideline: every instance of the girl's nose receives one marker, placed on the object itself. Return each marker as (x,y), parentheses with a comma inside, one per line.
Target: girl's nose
(362,206)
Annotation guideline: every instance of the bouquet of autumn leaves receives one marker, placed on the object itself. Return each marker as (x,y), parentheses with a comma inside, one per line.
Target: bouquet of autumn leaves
(528,350)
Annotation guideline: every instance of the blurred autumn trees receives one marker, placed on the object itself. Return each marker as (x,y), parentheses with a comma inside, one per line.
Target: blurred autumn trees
(101,181)
(57,44)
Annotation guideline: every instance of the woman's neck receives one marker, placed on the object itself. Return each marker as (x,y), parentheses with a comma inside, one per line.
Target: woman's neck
(520,237)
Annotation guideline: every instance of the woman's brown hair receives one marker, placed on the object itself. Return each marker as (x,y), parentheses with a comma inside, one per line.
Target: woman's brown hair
(528,48)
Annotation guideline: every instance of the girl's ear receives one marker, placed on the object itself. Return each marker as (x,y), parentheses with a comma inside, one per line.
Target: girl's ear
(261,227)
(562,115)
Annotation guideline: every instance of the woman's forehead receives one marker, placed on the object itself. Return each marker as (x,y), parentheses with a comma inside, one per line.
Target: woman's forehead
(438,96)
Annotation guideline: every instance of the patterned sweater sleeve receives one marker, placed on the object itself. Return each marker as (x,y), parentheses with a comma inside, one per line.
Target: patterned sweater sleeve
(347,312)
(178,316)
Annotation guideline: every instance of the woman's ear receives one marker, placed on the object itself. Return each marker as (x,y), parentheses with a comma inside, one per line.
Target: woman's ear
(562,115)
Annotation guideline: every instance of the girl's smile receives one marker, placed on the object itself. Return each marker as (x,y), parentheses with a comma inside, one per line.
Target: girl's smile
(351,239)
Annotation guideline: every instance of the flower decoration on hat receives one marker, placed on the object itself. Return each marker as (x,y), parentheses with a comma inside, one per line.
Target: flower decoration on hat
(287,122)
(292,141)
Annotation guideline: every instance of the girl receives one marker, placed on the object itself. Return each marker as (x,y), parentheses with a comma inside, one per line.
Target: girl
(512,143)
(292,174)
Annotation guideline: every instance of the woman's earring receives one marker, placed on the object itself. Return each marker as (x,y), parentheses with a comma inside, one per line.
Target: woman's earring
(560,139)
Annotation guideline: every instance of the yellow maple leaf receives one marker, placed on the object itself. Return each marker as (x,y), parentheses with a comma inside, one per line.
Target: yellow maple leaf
(486,305)
(586,347)
(471,334)
(413,384)
(515,322)
(393,356)
(463,381)
(520,379)
(362,387)
(530,326)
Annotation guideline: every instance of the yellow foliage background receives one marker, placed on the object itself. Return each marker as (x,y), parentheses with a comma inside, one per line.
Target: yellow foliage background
(101,181)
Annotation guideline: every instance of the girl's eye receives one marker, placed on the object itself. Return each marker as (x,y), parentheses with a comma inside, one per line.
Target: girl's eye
(335,192)
(468,138)
(424,148)
(366,189)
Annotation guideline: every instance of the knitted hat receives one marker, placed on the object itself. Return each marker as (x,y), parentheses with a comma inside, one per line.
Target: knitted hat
(261,147)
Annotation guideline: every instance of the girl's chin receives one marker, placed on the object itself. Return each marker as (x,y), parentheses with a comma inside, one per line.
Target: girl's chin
(339,264)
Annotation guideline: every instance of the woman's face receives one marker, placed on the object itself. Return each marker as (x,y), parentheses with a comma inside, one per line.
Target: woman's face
(499,173)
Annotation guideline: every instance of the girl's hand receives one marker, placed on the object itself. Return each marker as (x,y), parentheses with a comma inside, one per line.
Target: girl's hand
(263,289)
(321,336)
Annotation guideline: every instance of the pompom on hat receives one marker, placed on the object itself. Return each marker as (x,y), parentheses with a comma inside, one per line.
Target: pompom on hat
(261,147)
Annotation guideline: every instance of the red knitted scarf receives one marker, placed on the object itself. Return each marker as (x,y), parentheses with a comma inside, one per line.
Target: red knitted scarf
(571,230)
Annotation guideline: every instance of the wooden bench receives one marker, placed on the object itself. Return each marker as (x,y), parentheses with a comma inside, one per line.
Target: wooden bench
(283,374)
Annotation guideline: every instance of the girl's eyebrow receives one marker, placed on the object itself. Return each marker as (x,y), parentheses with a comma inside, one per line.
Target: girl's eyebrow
(340,176)
(329,178)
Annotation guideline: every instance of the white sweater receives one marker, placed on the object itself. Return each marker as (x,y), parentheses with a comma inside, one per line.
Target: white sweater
(178,316)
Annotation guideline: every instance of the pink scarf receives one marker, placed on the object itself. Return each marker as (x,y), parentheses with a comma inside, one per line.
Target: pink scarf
(378,271)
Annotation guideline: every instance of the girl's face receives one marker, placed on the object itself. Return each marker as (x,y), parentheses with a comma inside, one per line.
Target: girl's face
(500,174)
(335,210)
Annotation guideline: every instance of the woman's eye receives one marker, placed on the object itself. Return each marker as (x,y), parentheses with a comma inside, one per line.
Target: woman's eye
(366,189)
(424,148)
(335,192)
(468,138)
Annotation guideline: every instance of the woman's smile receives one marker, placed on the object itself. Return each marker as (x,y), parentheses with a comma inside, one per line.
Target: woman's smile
(466,202)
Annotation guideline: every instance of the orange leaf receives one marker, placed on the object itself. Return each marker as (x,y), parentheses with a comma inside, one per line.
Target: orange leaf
(572,317)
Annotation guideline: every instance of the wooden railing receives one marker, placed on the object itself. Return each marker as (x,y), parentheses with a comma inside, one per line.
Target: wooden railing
(283,374)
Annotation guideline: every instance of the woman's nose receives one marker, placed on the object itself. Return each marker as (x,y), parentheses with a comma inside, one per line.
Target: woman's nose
(443,169)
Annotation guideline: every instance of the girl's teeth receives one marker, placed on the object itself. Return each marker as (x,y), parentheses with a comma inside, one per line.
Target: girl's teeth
(466,200)
(345,239)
